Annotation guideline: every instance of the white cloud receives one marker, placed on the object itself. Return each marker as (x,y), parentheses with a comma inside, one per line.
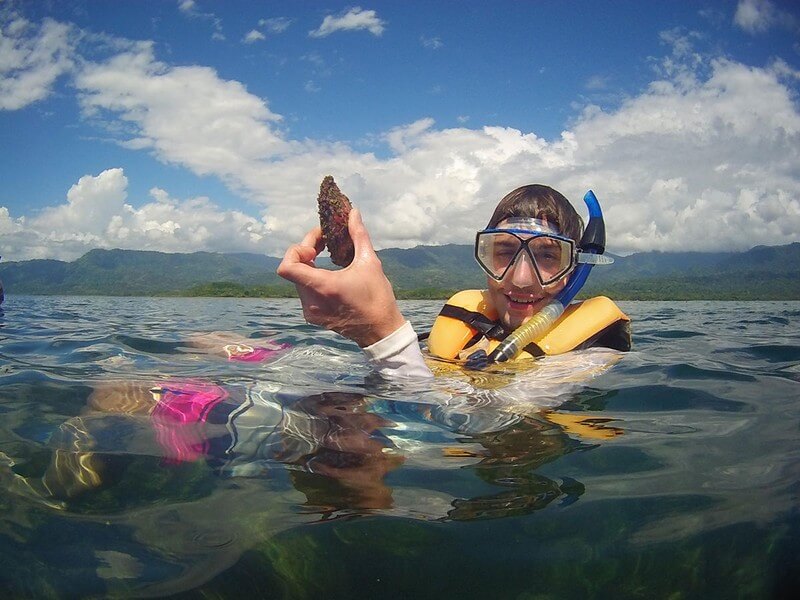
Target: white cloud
(704,158)
(597,83)
(90,205)
(705,162)
(184,115)
(96,215)
(253,36)
(759,16)
(434,43)
(275,24)
(7,224)
(315,59)
(31,64)
(755,16)
(353,20)
(189,8)
(402,138)
(676,159)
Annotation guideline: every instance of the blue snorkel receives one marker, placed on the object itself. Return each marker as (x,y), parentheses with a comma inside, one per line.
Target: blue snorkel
(593,241)
(591,248)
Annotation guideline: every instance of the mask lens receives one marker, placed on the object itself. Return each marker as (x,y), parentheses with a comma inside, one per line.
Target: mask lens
(496,251)
(552,257)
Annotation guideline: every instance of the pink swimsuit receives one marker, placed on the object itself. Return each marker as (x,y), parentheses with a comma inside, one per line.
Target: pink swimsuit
(182,408)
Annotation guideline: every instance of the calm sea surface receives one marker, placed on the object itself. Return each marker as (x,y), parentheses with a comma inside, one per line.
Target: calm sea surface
(671,471)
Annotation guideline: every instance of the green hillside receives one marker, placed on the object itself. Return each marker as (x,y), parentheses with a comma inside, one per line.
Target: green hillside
(761,273)
(764,273)
(129,272)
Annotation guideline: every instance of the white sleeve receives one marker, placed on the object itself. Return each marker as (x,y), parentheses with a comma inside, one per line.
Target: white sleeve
(398,355)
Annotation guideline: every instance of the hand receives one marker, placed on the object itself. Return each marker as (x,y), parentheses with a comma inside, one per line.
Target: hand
(358,301)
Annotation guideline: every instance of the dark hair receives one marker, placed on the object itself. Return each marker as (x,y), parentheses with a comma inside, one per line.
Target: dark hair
(540,202)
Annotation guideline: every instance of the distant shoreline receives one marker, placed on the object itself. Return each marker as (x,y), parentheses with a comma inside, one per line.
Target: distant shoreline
(423,295)
(423,273)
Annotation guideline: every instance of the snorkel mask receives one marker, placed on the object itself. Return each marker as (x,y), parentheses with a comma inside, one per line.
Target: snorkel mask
(589,253)
(551,255)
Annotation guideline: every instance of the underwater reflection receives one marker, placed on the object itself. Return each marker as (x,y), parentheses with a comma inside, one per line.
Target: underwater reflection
(509,461)
(191,474)
(336,448)
(347,468)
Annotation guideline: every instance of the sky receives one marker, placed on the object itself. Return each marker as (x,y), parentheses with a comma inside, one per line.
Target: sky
(189,125)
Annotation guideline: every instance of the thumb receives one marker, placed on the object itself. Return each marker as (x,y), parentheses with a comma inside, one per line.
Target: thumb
(359,234)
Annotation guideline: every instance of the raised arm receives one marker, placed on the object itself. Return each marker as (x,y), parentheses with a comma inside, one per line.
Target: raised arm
(358,301)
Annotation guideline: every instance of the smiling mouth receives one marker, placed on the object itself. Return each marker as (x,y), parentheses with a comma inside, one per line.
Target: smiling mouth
(523,300)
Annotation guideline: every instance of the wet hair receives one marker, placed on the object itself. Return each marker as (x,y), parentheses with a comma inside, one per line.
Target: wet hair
(540,202)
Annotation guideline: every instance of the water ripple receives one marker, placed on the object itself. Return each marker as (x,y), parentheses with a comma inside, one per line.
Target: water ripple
(639,463)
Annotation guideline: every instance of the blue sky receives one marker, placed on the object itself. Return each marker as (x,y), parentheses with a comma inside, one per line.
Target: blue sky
(200,125)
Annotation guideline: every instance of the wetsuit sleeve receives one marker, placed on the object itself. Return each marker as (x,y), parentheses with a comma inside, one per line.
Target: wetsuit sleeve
(398,355)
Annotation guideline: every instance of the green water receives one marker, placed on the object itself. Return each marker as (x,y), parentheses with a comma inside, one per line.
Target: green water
(683,483)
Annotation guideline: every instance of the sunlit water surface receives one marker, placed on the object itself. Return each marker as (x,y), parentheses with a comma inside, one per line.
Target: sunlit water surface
(670,471)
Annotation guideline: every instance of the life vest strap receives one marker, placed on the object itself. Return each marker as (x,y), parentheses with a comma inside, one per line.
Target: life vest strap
(480,322)
(485,326)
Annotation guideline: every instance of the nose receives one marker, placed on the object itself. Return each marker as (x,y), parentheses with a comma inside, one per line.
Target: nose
(523,274)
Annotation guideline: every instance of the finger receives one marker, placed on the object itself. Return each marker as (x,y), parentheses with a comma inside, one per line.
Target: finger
(296,265)
(359,234)
(314,239)
(300,274)
(300,253)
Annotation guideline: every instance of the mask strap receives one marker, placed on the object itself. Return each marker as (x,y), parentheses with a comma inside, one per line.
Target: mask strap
(528,224)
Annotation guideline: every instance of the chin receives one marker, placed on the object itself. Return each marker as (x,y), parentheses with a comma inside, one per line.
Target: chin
(512,319)
(514,307)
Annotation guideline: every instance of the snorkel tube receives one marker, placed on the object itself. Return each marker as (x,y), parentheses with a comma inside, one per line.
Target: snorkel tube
(592,245)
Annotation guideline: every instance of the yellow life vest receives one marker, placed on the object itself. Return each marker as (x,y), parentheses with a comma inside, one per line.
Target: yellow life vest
(469,321)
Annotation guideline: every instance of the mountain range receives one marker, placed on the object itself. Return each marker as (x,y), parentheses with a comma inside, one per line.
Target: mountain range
(763,272)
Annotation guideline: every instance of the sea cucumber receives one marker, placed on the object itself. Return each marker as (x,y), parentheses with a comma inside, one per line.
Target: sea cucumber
(334,212)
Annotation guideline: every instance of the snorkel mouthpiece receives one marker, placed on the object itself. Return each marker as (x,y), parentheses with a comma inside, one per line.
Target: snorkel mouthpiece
(593,241)
(533,329)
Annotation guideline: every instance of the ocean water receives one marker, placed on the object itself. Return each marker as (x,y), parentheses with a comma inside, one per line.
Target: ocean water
(671,471)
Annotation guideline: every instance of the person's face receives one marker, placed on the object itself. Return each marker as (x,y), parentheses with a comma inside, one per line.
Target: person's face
(519,295)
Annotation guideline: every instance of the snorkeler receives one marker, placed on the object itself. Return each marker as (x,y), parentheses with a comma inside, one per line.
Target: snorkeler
(536,257)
